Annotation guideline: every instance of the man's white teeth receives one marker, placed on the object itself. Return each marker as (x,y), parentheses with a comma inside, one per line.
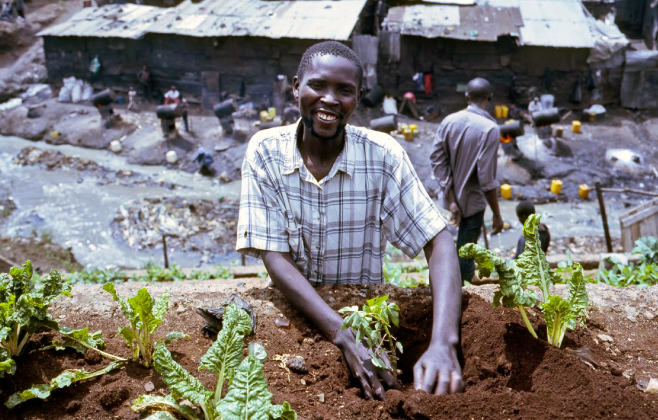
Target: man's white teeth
(325,117)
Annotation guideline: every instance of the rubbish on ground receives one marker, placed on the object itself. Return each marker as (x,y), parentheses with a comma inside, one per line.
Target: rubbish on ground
(171,156)
(595,109)
(390,106)
(12,103)
(67,88)
(626,160)
(652,386)
(115,146)
(36,94)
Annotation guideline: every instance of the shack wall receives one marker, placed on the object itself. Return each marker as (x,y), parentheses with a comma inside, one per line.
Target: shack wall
(516,73)
(248,65)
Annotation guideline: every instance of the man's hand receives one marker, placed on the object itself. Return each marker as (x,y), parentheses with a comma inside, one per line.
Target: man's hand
(456,214)
(497,224)
(370,377)
(437,371)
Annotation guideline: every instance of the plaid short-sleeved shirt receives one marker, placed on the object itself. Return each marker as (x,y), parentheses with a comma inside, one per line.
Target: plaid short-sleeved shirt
(336,229)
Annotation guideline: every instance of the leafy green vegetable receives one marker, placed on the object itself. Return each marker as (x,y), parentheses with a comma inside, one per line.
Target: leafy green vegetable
(145,315)
(643,273)
(97,276)
(532,269)
(63,380)
(647,248)
(24,310)
(80,340)
(247,396)
(373,324)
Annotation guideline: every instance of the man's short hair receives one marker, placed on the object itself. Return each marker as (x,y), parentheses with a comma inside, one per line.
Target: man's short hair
(524,209)
(330,48)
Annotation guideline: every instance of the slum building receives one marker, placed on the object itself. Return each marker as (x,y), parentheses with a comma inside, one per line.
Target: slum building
(523,47)
(204,48)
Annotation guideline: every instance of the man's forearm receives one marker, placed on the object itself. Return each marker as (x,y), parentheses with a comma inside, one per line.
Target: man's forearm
(300,294)
(445,283)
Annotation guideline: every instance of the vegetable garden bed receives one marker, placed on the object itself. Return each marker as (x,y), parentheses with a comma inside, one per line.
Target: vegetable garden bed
(508,373)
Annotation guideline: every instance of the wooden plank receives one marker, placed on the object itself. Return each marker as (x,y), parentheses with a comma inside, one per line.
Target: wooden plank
(638,216)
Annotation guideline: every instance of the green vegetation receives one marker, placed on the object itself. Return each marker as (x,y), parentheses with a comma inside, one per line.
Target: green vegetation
(247,396)
(154,274)
(531,269)
(644,273)
(373,325)
(145,315)
(396,273)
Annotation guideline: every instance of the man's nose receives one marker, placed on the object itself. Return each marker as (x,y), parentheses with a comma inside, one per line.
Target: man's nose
(329,97)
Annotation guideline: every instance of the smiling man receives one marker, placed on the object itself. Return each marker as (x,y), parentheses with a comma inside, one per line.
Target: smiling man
(321,198)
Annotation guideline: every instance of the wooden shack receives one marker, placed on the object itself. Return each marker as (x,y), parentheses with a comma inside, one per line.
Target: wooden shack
(204,48)
(523,48)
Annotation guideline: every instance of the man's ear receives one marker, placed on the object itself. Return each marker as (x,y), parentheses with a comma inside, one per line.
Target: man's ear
(295,87)
(359,96)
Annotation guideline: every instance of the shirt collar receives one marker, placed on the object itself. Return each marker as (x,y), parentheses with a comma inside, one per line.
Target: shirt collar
(474,109)
(345,162)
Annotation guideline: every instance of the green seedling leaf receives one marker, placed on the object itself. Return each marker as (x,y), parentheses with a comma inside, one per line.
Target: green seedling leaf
(248,397)
(65,379)
(174,335)
(166,404)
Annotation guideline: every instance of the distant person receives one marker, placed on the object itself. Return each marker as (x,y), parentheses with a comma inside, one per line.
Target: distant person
(183,102)
(523,211)
(464,160)
(409,102)
(172,96)
(145,79)
(131,98)
(535,105)
(290,114)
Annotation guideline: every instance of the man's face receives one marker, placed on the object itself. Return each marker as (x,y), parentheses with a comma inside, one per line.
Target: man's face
(328,95)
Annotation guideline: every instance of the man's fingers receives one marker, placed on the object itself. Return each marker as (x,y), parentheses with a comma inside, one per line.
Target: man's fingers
(365,387)
(389,380)
(443,385)
(419,373)
(429,379)
(456,382)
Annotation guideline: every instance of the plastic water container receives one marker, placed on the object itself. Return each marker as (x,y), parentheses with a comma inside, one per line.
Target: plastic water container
(506,191)
(556,186)
(547,100)
(575,126)
(583,191)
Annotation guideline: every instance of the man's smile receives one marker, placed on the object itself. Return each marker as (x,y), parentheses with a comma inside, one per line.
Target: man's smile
(325,117)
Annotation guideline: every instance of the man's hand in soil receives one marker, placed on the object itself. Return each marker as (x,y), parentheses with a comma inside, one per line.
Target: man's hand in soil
(438,370)
(369,376)
(303,297)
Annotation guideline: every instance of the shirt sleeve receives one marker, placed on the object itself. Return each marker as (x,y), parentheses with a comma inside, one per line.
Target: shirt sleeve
(409,217)
(487,161)
(261,221)
(440,159)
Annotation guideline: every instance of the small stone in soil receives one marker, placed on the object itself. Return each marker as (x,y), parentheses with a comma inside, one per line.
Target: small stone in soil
(282,322)
(321,398)
(149,387)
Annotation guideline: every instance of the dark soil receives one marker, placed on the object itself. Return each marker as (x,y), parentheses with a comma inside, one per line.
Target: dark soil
(508,374)
(44,255)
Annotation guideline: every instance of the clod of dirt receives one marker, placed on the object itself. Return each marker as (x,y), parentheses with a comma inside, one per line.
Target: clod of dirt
(114,397)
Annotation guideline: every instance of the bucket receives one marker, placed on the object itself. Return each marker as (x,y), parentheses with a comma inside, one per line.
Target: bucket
(168,112)
(504,111)
(558,132)
(592,117)
(223,109)
(545,117)
(506,191)
(556,186)
(103,98)
(385,124)
(575,126)
(408,134)
(583,191)
(272,112)
(512,129)
(265,116)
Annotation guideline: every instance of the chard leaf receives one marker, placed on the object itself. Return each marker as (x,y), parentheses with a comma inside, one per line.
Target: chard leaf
(282,412)
(247,397)
(128,336)
(166,404)
(512,290)
(557,315)
(142,305)
(577,296)
(161,415)
(125,308)
(174,335)
(532,264)
(226,352)
(80,340)
(177,378)
(63,380)
(53,287)
(7,364)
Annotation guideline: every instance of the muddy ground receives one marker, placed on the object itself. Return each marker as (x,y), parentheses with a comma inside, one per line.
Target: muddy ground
(508,374)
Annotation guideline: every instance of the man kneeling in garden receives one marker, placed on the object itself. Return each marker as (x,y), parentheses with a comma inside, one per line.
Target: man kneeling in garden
(320,198)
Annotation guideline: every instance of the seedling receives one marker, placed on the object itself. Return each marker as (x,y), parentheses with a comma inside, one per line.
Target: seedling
(373,325)
(247,396)
(145,315)
(531,269)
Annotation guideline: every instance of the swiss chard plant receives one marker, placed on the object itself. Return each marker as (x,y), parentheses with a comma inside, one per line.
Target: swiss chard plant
(373,324)
(24,310)
(145,315)
(247,397)
(532,269)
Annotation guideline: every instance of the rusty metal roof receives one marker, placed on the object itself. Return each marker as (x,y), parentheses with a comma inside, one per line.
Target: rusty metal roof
(549,23)
(321,19)
(111,21)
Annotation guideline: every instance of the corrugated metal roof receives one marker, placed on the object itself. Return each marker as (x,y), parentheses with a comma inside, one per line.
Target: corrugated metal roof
(482,23)
(321,19)
(111,21)
(547,23)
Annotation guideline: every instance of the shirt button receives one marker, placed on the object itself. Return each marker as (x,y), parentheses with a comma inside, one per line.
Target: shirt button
(318,247)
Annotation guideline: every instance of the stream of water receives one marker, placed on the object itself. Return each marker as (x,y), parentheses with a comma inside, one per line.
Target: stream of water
(77,212)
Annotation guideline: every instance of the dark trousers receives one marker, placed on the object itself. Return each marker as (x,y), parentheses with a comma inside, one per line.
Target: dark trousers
(469,232)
